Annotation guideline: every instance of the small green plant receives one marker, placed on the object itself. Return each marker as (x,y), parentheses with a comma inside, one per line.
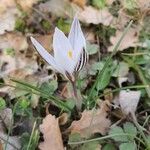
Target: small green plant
(20,25)
(2,103)
(46,25)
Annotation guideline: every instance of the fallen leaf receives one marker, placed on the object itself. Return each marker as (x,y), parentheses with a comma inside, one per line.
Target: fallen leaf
(109,2)
(13,142)
(90,36)
(121,21)
(11,58)
(8,15)
(129,5)
(128,101)
(63,118)
(108,95)
(143,5)
(95,16)
(130,39)
(80,3)
(51,133)
(17,65)
(26,5)
(92,121)
(6,116)
(45,40)
(15,40)
(60,8)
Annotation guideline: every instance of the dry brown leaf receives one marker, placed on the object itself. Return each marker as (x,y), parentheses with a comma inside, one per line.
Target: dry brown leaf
(92,121)
(95,16)
(121,21)
(13,40)
(108,95)
(51,133)
(90,36)
(63,118)
(109,2)
(28,76)
(7,117)
(8,15)
(45,40)
(26,5)
(11,66)
(128,101)
(130,39)
(16,64)
(60,8)
(10,63)
(144,5)
(13,141)
(80,3)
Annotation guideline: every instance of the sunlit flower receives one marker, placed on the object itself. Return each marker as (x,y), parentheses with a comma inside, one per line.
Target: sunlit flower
(70,53)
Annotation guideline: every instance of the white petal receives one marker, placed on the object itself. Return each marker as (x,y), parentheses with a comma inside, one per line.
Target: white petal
(77,38)
(45,55)
(63,51)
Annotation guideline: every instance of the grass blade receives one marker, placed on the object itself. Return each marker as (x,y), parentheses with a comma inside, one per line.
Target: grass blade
(55,100)
(98,79)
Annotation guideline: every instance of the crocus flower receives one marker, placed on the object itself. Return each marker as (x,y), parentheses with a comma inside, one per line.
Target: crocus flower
(70,53)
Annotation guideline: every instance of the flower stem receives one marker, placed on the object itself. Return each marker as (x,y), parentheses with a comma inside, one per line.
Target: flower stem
(78,101)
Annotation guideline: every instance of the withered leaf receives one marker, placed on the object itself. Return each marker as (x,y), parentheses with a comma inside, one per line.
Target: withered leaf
(51,133)
(130,39)
(92,15)
(128,101)
(92,121)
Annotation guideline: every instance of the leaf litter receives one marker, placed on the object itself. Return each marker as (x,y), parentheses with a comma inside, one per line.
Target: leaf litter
(92,121)
(51,133)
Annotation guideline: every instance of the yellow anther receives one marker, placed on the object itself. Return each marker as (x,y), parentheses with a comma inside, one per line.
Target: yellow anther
(70,54)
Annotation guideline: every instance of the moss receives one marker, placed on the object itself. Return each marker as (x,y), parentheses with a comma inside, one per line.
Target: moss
(10,51)
(20,25)
(100,4)
(46,25)
(63,25)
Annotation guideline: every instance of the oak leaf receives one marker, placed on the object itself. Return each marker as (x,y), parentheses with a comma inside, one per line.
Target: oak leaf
(51,133)
(80,3)
(8,15)
(92,121)
(95,16)
(130,39)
